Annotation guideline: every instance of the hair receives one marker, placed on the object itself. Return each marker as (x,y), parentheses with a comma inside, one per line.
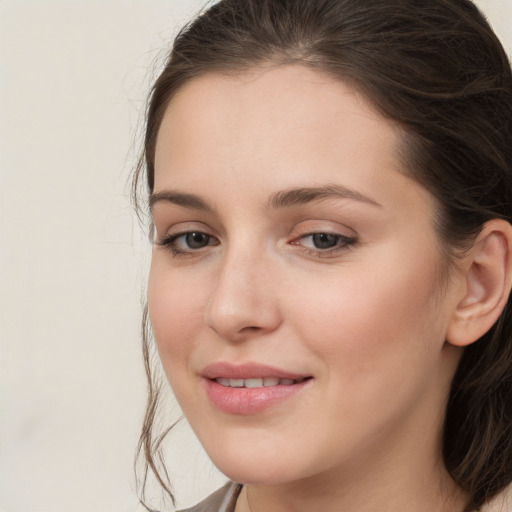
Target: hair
(436,69)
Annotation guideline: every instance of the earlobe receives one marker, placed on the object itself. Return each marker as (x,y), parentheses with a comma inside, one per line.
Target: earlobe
(487,282)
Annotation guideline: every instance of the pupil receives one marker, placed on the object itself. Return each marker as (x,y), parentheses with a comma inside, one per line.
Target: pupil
(325,240)
(197,240)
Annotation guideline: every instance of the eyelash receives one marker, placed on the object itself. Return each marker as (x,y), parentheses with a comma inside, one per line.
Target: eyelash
(169,242)
(343,243)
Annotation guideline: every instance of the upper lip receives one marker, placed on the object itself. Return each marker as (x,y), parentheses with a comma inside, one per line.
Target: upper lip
(247,371)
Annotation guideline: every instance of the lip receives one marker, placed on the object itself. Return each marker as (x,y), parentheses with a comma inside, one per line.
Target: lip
(246,401)
(247,371)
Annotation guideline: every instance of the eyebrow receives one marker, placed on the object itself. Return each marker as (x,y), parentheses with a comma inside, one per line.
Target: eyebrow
(281,199)
(191,201)
(299,196)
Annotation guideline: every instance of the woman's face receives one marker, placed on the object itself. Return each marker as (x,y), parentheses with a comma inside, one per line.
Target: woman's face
(295,291)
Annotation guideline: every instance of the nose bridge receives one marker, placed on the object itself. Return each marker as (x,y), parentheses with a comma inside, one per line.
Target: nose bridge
(242,302)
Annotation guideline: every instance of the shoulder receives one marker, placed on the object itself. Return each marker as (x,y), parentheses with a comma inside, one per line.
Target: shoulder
(222,500)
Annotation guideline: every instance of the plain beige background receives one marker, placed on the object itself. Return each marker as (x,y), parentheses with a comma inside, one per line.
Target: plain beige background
(73,76)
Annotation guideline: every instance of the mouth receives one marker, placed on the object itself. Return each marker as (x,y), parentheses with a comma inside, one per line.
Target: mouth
(250,375)
(250,388)
(258,382)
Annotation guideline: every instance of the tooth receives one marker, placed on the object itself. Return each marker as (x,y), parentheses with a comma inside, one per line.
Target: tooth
(253,383)
(222,381)
(270,381)
(236,383)
(286,382)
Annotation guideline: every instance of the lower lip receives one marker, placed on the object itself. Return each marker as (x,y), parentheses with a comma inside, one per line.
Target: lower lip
(249,400)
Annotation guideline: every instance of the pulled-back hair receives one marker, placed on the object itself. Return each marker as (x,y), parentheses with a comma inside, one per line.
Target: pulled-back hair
(436,68)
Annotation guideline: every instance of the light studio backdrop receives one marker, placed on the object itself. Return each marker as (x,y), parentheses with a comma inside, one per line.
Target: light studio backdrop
(73,78)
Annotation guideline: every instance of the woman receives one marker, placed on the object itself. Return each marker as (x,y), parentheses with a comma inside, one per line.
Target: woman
(330,187)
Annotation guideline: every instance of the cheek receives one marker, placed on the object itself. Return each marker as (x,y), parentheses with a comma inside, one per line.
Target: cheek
(382,313)
(378,338)
(175,314)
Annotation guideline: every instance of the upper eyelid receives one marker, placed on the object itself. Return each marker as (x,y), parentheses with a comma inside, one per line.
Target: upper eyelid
(171,228)
(165,228)
(309,232)
(318,226)
(340,235)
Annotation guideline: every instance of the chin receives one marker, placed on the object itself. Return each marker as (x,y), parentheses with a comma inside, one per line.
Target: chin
(254,468)
(248,474)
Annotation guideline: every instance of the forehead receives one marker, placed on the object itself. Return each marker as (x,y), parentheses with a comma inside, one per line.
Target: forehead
(273,125)
(283,100)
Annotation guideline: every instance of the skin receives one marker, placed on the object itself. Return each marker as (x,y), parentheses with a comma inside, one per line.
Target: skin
(368,321)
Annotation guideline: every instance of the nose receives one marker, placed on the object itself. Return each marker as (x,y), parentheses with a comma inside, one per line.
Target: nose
(243,302)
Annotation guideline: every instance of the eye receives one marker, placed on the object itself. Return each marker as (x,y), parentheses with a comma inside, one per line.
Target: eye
(188,242)
(324,240)
(324,243)
(195,240)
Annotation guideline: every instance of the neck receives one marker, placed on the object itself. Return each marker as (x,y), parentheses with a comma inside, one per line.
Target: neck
(411,478)
(386,495)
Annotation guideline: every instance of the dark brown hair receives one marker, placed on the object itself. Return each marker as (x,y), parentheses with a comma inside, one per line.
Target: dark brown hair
(436,68)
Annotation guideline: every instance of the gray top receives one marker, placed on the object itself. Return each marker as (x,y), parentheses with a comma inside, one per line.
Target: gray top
(222,500)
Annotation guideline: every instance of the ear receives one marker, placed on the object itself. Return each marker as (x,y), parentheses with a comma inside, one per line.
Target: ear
(486,283)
